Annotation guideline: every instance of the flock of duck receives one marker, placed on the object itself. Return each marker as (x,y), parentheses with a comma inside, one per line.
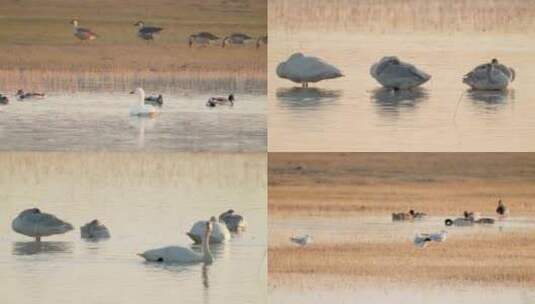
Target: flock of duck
(392,73)
(37,224)
(423,239)
(148,33)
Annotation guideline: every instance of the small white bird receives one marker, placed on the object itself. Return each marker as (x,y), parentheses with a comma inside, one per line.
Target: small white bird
(303,69)
(302,240)
(422,239)
(34,223)
(140,108)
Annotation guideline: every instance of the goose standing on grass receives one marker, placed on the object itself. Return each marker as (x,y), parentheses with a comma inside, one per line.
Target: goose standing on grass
(147,32)
(423,239)
(301,240)
(219,101)
(490,76)
(303,69)
(21,95)
(236,38)
(4,99)
(34,223)
(263,40)
(82,33)
(502,210)
(154,100)
(140,108)
(182,255)
(94,230)
(234,222)
(202,38)
(395,74)
(219,234)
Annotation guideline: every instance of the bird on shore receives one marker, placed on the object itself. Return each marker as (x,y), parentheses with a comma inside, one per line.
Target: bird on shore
(4,99)
(234,222)
(490,76)
(302,240)
(81,33)
(21,95)
(304,69)
(147,32)
(502,210)
(423,239)
(94,230)
(201,38)
(34,223)
(263,40)
(395,74)
(219,101)
(182,255)
(236,38)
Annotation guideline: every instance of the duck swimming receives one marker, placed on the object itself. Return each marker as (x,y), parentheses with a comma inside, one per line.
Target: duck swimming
(304,69)
(154,100)
(34,223)
(219,101)
(140,108)
(234,222)
(21,95)
(490,76)
(219,234)
(182,255)
(395,74)
(94,230)
(4,99)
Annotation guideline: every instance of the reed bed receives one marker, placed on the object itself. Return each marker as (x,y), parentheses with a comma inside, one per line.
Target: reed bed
(385,16)
(505,259)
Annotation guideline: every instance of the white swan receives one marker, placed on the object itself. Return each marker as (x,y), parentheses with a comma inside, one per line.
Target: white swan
(234,222)
(140,108)
(182,255)
(94,230)
(302,240)
(219,233)
(34,223)
(490,76)
(393,73)
(422,239)
(302,69)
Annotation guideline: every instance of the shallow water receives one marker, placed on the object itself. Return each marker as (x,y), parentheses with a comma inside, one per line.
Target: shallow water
(354,114)
(101,122)
(146,202)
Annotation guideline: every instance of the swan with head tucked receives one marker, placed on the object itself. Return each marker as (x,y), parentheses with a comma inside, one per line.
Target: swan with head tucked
(219,234)
(395,74)
(303,69)
(490,76)
(233,221)
(34,223)
(140,108)
(182,255)
(94,230)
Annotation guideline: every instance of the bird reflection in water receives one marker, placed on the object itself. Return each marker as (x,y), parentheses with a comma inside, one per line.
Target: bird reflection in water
(142,124)
(297,97)
(491,99)
(32,248)
(205,281)
(393,101)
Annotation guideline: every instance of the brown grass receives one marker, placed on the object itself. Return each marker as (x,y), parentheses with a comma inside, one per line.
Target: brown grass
(404,15)
(507,258)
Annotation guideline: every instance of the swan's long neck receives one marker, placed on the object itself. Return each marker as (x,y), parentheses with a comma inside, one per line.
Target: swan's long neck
(207,255)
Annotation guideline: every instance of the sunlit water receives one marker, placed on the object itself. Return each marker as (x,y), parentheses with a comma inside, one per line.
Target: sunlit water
(146,201)
(353,113)
(101,122)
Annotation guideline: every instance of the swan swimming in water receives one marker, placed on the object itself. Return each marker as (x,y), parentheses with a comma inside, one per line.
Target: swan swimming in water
(395,74)
(34,223)
(182,255)
(234,222)
(302,240)
(94,230)
(302,69)
(422,239)
(219,234)
(490,76)
(140,108)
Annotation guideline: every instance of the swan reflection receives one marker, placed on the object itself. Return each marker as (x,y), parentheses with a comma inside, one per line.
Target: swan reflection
(490,98)
(393,101)
(306,97)
(32,248)
(142,124)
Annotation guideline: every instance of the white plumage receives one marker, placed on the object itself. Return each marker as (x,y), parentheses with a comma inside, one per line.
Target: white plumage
(219,234)
(393,73)
(34,223)
(490,76)
(140,108)
(303,69)
(94,230)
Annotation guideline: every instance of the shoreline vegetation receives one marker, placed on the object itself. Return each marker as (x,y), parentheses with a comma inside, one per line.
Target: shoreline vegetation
(36,37)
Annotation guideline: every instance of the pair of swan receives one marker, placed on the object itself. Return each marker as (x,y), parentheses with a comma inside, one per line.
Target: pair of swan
(147,32)
(392,73)
(411,215)
(423,239)
(183,255)
(34,223)
(144,106)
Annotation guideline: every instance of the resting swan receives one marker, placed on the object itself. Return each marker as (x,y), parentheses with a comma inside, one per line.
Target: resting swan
(219,233)
(34,223)
(94,230)
(140,108)
(302,69)
(395,74)
(182,255)
(490,76)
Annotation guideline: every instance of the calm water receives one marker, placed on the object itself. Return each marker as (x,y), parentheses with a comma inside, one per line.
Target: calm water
(353,114)
(101,121)
(146,202)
